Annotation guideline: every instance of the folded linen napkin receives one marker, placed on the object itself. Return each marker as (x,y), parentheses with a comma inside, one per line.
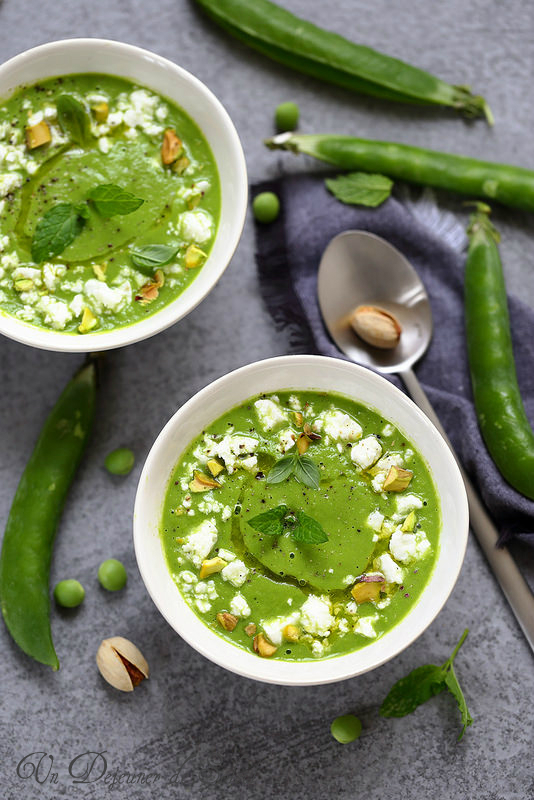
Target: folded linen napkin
(288,255)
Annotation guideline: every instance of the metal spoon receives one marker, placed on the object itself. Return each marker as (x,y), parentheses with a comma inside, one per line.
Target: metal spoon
(359,268)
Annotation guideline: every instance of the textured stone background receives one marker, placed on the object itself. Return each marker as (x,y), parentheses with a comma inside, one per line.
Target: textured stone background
(206,733)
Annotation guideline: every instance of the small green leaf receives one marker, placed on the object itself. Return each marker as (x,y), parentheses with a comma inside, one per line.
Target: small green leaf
(152,256)
(55,231)
(410,692)
(110,200)
(73,119)
(308,530)
(360,188)
(282,469)
(270,522)
(454,688)
(306,471)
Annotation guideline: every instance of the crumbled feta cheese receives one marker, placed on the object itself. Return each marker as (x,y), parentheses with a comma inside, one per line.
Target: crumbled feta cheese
(203,605)
(317,648)
(104,298)
(270,414)
(364,626)
(55,312)
(407,503)
(338,425)
(188,577)
(230,448)
(52,273)
(315,615)
(200,542)
(388,429)
(226,513)
(28,272)
(343,625)
(235,572)
(406,546)
(347,580)
(239,606)
(375,520)
(273,628)
(388,461)
(294,403)
(226,554)
(286,440)
(206,589)
(196,226)
(104,144)
(351,607)
(377,483)
(389,569)
(365,452)
(4,241)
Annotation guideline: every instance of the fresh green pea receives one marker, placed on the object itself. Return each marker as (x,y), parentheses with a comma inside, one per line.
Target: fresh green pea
(69,593)
(346,729)
(112,575)
(287,116)
(34,516)
(120,461)
(266,207)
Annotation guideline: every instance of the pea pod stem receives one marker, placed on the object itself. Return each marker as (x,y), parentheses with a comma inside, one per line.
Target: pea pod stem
(31,526)
(512,186)
(501,414)
(305,47)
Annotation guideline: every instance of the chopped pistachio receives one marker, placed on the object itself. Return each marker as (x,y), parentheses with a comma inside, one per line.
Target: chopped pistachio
(291,633)
(203,483)
(363,592)
(263,647)
(409,522)
(312,436)
(180,165)
(227,621)
(303,442)
(194,257)
(193,200)
(171,147)
(88,321)
(299,419)
(214,467)
(251,629)
(397,479)
(100,111)
(23,284)
(37,135)
(100,271)
(211,565)
(149,291)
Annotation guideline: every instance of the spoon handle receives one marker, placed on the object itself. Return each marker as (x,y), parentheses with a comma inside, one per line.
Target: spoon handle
(511,581)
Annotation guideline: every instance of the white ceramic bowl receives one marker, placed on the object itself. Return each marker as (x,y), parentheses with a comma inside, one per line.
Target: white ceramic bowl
(167,79)
(297,372)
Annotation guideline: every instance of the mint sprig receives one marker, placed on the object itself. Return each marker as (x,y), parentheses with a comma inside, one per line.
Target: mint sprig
(302,467)
(360,188)
(279,520)
(423,683)
(73,119)
(152,256)
(56,230)
(110,200)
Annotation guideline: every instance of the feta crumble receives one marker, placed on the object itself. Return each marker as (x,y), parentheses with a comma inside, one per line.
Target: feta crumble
(365,452)
(406,546)
(235,573)
(315,615)
(239,606)
(200,542)
(270,414)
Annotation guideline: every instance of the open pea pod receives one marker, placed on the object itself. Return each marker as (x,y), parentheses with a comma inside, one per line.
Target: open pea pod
(34,515)
(307,48)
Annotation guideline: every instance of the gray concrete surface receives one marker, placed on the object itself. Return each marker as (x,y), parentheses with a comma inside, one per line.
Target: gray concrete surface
(203,733)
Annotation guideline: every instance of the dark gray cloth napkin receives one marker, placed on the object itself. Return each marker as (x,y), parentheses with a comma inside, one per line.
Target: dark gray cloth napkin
(288,255)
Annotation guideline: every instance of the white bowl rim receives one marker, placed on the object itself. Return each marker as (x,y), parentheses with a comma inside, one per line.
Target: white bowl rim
(46,339)
(247,664)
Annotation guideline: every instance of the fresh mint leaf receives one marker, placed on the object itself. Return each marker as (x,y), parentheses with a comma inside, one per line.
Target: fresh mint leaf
(306,471)
(152,256)
(308,530)
(270,523)
(82,210)
(73,119)
(454,688)
(282,469)
(110,200)
(413,690)
(55,231)
(422,684)
(360,188)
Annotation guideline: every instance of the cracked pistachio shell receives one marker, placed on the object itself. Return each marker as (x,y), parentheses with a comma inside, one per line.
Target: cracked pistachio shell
(114,670)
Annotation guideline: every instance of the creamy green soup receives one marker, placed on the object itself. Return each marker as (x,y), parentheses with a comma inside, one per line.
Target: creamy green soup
(133,140)
(301,525)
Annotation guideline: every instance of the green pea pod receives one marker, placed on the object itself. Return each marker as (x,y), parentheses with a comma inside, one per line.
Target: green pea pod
(509,185)
(307,48)
(32,522)
(500,410)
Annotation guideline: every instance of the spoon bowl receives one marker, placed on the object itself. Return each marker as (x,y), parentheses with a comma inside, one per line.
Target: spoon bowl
(359,268)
